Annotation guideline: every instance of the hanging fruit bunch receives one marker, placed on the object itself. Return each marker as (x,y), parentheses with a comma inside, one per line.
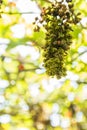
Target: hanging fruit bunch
(57,19)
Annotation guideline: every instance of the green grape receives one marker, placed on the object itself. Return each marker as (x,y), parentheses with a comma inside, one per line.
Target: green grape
(57,19)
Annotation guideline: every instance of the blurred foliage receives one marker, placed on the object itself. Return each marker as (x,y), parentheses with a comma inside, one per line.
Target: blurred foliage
(29,99)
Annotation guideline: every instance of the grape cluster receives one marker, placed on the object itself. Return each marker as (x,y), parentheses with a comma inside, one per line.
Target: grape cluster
(57,19)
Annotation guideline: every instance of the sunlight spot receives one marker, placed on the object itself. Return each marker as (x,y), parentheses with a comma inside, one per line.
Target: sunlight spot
(55,120)
(47,86)
(26,50)
(6,20)
(28,6)
(7,60)
(2,49)
(57,83)
(29,18)
(74,64)
(10,0)
(4,83)
(7,9)
(79,116)
(65,123)
(84,92)
(34,89)
(52,83)
(2,106)
(72,76)
(40,71)
(55,108)
(82,49)
(5,118)
(29,31)
(18,30)
(4,41)
(71,96)
(74,84)
(2,99)
(84,21)
(24,106)
(83,57)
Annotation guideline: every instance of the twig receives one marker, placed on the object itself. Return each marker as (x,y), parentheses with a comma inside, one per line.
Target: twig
(81,82)
(12,13)
(31,69)
(79,55)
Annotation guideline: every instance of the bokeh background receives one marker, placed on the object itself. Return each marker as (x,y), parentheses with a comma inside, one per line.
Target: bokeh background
(29,99)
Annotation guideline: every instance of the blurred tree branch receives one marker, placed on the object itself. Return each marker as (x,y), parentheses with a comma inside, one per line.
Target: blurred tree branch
(12,13)
(79,54)
(81,82)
